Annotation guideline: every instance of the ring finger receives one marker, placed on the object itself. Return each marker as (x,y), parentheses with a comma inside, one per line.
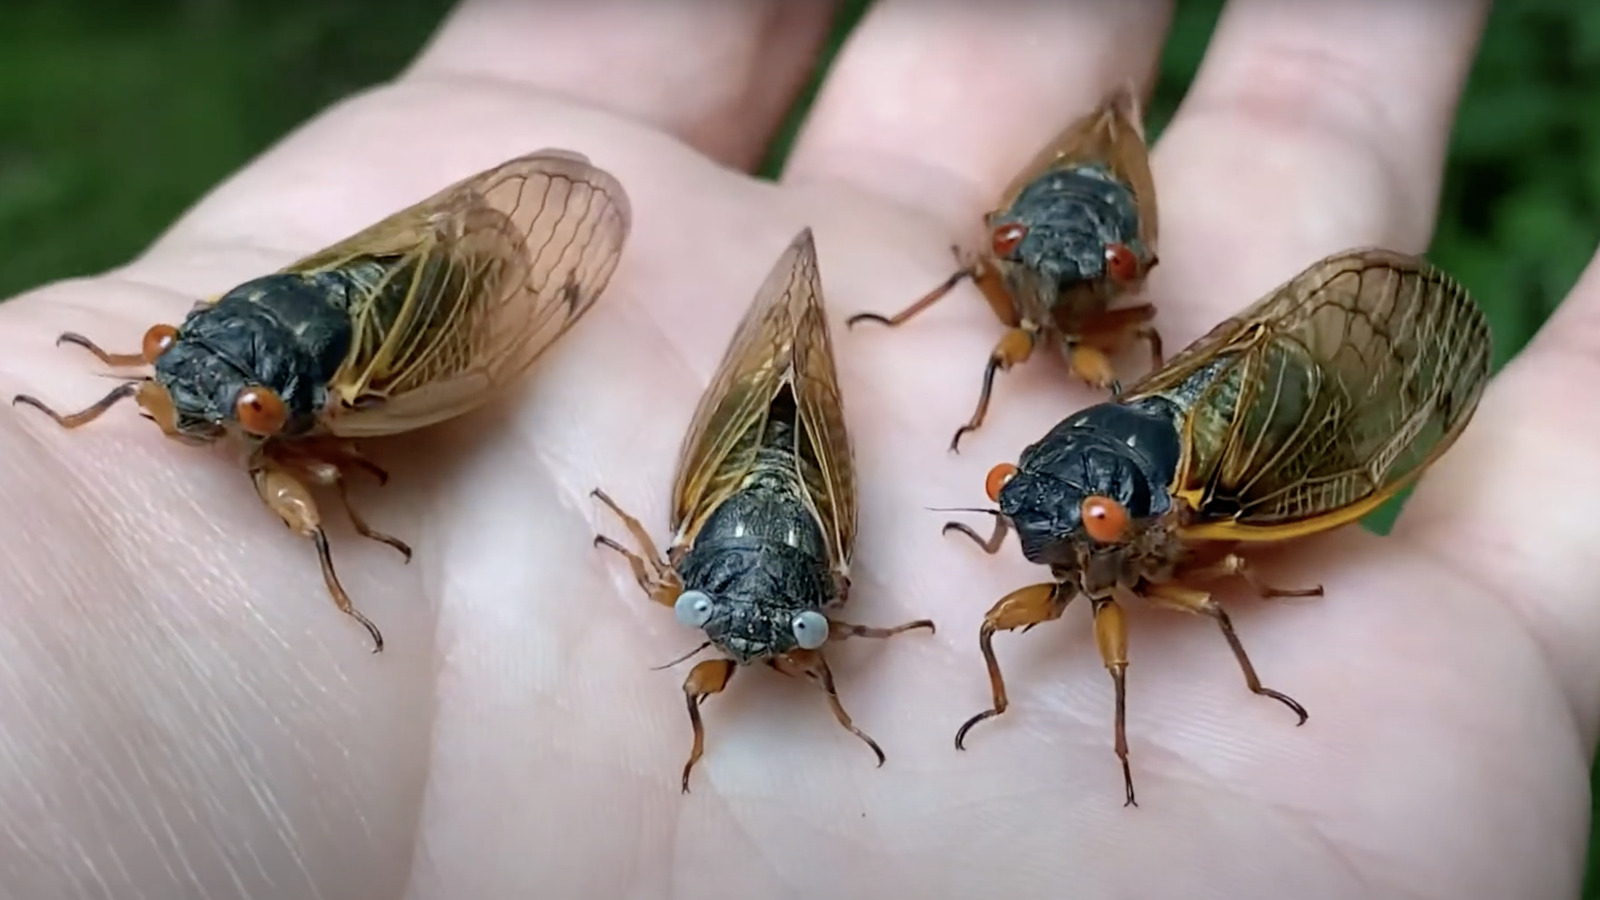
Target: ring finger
(1309,129)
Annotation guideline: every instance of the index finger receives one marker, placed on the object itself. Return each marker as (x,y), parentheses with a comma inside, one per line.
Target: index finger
(718,73)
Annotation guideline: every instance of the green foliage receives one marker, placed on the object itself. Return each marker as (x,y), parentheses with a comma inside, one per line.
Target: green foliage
(116,115)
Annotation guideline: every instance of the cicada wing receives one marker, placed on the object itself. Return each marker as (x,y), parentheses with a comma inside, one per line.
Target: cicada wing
(1112,135)
(462,292)
(825,452)
(1326,397)
(781,343)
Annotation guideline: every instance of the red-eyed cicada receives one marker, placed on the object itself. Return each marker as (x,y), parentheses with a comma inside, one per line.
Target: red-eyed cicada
(1074,232)
(1303,413)
(417,319)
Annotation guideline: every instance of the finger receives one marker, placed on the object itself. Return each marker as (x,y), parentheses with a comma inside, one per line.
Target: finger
(936,105)
(1310,128)
(377,152)
(720,74)
(1512,504)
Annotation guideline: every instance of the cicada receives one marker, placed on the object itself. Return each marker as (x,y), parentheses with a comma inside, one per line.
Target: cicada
(1074,232)
(417,319)
(1303,413)
(763,503)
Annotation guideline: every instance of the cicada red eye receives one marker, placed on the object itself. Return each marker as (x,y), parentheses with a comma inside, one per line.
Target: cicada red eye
(998,476)
(261,411)
(1121,262)
(156,341)
(1105,519)
(1005,240)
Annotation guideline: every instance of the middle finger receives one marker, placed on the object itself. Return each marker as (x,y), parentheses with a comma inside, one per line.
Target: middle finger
(936,105)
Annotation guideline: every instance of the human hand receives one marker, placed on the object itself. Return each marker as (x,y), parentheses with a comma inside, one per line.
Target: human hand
(186,715)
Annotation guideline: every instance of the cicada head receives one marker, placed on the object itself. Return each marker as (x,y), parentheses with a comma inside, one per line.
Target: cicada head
(1072,229)
(1084,496)
(750,629)
(757,577)
(245,365)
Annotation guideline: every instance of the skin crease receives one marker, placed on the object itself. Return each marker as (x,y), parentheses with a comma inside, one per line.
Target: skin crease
(186,715)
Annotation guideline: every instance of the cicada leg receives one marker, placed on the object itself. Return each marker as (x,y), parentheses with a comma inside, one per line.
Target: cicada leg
(655,576)
(115,360)
(705,679)
(344,454)
(1181,597)
(813,665)
(285,492)
(991,544)
(1234,564)
(1111,637)
(838,631)
(325,463)
(993,287)
(94,411)
(150,396)
(1022,608)
(1106,334)
(1015,347)
(966,270)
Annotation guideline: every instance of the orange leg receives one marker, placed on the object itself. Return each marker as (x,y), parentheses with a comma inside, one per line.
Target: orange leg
(1022,608)
(152,398)
(993,286)
(94,411)
(342,453)
(1236,565)
(838,631)
(655,576)
(115,360)
(990,544)
(324,463)
(143,389)
(921,304)
(1178,596)
(1104,335)
(1015,347)
(705,679)
(979,271)
(287,494)
(811,664)
(1111,636)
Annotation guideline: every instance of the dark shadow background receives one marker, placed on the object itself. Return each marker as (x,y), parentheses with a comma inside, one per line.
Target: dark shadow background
(115,115)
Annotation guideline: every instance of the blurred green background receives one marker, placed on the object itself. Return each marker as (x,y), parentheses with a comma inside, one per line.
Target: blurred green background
(115,115)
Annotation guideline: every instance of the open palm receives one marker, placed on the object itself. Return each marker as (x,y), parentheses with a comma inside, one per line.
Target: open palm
(186,715)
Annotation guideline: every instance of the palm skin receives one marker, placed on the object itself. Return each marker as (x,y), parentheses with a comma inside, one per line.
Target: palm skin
(187,715)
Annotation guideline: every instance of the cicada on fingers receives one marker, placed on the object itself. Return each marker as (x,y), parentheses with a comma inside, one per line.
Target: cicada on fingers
(763,503)
(419,318)
(1074,232)
(1303,413)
